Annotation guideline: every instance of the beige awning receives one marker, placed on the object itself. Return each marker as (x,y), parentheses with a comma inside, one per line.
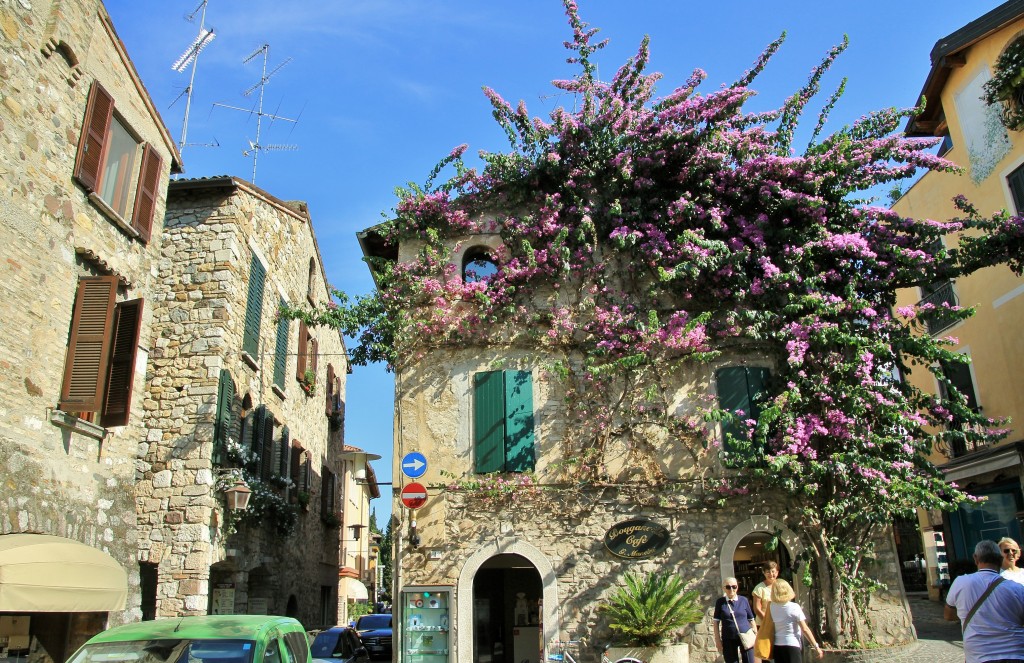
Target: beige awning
(354,590)
(43,573)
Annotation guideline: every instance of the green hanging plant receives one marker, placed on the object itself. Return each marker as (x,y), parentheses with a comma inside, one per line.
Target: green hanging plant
(1006,87)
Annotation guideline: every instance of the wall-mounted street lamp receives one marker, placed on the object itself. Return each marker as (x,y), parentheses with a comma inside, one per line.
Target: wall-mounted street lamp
(360,477)
(237,496)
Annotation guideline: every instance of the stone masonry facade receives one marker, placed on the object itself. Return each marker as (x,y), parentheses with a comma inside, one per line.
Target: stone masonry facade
(465,533)
(61,474)
(215,227)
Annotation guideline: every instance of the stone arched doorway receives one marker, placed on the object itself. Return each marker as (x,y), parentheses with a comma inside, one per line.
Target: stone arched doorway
(735,561)
(487,599)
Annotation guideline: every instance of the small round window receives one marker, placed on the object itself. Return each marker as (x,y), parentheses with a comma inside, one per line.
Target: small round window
(478,266)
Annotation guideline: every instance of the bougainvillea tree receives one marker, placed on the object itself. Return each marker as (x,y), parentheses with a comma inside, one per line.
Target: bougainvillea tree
(641,235)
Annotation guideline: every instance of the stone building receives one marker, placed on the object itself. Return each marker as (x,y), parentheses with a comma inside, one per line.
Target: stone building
(235,392)
(991,153)
(505,556)
(84,159)
(358,561)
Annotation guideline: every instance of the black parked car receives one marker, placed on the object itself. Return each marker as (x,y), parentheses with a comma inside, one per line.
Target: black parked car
(340,644)
(375,632)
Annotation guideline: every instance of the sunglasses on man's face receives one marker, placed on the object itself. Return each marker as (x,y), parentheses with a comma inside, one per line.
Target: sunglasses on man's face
(731,586)
(1009,552)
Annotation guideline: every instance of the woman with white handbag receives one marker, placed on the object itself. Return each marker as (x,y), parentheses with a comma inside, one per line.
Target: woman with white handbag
(734,625)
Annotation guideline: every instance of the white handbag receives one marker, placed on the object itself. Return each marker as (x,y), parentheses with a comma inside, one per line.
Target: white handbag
(747,637)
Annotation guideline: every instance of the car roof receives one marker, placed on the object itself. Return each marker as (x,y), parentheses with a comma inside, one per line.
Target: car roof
(239,627)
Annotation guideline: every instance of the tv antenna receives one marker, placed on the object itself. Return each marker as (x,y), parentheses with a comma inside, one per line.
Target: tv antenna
(255,147)
(191,57)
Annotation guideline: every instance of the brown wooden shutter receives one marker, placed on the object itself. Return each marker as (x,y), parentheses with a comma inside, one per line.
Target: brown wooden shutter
(85,368)
(128,322)
(325,485)
(314,354)
(300,365)
(329,404)
(93,143)
(145,195)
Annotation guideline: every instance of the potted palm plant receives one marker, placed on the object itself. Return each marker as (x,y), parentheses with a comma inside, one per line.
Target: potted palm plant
(649,614)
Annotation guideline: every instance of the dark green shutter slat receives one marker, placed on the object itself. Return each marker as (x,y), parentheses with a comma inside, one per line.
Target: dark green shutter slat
(222,423)
(254,307)
(256,448)
(756,379)
(519,435)
(488,421)
(267,463)
(733,396)
(1016,182)
(284,453)
(281,351)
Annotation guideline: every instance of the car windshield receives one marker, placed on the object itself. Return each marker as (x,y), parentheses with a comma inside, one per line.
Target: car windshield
(167,651)
(331,644)
(367,622)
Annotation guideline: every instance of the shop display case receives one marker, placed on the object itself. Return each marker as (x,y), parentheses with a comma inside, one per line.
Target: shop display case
(425,624)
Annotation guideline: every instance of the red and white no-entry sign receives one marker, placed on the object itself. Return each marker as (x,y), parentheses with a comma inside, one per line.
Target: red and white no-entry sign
(414,495)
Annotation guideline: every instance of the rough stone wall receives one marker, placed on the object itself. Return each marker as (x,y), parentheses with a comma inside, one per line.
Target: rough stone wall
(198,326)
(564,526)
(60,477)
(567,528)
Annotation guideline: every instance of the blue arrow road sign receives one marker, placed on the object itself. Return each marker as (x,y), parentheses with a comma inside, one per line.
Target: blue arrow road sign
(414,464)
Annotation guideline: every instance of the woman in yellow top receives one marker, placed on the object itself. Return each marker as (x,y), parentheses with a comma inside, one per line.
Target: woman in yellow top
(762,593)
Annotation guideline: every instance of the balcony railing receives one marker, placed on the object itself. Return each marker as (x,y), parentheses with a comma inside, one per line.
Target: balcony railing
(963,446)
(939,319)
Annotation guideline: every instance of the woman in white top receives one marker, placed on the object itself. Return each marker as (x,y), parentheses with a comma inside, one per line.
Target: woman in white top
(1011,555)
(790,621)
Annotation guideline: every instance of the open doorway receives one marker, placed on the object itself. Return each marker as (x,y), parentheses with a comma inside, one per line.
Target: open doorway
(752,552)
(507,611)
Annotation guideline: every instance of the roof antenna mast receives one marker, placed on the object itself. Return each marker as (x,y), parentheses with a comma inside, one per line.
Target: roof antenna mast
(191,57)
(256,147)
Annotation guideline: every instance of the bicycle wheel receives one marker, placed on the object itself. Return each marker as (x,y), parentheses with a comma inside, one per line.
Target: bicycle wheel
(628,659)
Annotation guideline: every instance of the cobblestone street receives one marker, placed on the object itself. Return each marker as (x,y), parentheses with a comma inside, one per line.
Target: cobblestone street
(939,641)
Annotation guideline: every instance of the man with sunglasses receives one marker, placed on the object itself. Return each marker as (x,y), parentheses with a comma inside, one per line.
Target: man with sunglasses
(990,609)
(1011,555)
(733,615)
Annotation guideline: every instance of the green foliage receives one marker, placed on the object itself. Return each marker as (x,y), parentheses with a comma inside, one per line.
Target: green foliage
(267,506)
(651,609)
(1006,87)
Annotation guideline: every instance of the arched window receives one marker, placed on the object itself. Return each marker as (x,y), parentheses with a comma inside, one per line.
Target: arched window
(478,266)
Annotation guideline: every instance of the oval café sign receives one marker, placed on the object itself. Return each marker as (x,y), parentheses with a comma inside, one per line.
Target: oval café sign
(636,539)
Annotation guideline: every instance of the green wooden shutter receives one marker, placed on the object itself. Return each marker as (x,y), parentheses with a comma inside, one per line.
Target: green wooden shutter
(757,377)
(281,351)
(519,435)
(1016,182)
(489,421)
(254,307)
(222,423)
(733,396)
(267,461)
(284,452)
(256,448)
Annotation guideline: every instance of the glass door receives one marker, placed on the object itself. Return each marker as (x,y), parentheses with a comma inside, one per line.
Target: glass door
(425,624)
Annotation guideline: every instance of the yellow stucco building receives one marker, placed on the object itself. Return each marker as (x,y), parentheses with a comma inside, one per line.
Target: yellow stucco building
(991,157)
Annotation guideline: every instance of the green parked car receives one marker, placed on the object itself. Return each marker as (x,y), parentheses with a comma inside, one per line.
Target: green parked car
(209,639)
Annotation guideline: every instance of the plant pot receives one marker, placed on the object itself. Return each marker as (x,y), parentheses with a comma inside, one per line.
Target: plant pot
(678,653)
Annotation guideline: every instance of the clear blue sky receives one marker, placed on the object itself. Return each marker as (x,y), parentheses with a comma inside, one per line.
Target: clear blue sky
(384,88)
